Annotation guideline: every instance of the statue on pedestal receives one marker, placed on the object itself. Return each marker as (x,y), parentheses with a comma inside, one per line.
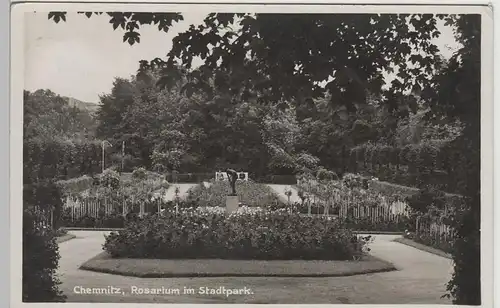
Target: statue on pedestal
(232,176)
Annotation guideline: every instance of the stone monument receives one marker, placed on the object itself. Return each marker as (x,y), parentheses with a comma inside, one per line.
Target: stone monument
(232,202)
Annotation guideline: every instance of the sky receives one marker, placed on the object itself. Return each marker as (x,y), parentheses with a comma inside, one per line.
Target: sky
(81,57)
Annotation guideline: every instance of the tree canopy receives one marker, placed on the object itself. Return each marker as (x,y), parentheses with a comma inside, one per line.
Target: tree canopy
(322,76)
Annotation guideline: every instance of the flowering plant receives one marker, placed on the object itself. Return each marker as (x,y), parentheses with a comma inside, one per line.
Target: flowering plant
(206,232)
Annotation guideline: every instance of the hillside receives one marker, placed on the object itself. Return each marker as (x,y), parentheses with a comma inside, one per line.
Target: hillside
(90,107)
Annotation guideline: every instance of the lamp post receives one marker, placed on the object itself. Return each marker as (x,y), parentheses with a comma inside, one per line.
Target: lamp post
(102,145)
(123,156)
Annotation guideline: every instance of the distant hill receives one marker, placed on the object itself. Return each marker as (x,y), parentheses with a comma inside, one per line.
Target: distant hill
(73,102)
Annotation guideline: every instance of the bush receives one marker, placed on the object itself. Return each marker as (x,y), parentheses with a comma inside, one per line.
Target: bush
(207,234)
(326,175)
(110,178)
(40,262)
(425,198)
(354,181)
(139,173)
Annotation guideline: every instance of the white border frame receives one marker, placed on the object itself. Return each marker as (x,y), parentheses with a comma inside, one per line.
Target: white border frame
(16,110)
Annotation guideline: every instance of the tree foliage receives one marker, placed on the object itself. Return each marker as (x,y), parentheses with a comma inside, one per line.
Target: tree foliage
(332,65)
(457,94)
(48,116)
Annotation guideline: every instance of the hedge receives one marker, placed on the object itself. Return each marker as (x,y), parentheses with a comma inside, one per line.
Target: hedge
(417,165)
(76,185)
(199,234)
(61,160)
(276,179)
(40,263)
(188,177)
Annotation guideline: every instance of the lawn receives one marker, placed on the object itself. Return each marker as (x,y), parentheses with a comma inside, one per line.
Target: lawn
(163,268)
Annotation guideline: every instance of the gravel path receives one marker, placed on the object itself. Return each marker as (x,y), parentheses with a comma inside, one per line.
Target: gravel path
(281,189)
(183,189)
(421,279)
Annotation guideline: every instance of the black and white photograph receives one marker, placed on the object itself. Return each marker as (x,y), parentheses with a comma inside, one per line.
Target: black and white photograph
(253,154)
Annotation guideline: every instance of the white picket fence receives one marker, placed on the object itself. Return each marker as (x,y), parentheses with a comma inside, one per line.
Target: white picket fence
(435,230)
(81,207)
(354,206)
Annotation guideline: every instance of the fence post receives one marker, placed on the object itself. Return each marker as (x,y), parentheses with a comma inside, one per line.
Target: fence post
(417,221)
(52,218)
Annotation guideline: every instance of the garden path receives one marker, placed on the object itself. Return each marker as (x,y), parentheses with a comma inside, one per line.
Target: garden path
(281,189)
(421,279)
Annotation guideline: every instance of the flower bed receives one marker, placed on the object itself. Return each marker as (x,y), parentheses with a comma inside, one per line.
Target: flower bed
(249,193)
(380,225)
(87,221)
(208,233)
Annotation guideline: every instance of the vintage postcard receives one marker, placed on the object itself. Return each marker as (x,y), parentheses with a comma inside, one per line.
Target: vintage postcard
(251,154)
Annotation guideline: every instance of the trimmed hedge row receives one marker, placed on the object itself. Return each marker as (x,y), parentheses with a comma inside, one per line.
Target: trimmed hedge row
(415,165)
(188,177)
(76,185)
(198,234)
(276,179)
(61,160)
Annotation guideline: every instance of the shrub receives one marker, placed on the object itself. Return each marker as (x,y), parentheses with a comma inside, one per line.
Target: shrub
(326,175)
(425,198)
(139,174)
(110,178)
(40,262)
(354,181)
(208,234)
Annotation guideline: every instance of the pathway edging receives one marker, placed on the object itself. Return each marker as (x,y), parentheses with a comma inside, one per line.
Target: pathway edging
(423,247)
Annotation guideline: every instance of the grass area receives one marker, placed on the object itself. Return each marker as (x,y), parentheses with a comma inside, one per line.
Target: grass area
(162,268)
(64,238)
(423,247)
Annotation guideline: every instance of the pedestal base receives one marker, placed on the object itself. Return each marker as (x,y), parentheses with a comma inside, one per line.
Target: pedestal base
(232,204)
